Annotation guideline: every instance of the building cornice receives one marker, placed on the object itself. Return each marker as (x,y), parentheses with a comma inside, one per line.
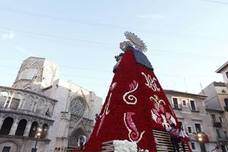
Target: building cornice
(219,84)
(16,112)
(220,69)
(214,110)
(173,92)
(8,137)
(28,91)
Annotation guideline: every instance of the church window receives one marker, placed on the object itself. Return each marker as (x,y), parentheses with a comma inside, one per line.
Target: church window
(21,127)
(6,126)
(44,130)
(6,149)
(78,106)
(14,103)
(33,129)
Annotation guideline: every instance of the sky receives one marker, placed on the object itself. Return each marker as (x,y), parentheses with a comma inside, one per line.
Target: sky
(186,39)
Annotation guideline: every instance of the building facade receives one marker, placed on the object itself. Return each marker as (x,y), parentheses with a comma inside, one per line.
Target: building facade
(224,101)
(42,111)
(219,126)
(217,107)
(191,113)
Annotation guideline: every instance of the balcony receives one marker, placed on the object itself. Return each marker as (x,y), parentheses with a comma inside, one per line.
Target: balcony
(194,110)
(217,124)
(177,107)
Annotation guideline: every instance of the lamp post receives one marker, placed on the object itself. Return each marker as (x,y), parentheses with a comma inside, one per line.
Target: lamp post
(202,138)
(37,136)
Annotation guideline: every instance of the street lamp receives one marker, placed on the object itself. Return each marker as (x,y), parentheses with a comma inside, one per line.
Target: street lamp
(202,138)
(37,136)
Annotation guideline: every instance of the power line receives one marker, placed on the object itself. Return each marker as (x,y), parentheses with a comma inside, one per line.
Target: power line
(64,19)
(57,18)
(216,1)
(197,75)
(52,36)
(157,52)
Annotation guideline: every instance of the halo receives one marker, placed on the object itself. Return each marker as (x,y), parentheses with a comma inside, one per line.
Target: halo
(136,41)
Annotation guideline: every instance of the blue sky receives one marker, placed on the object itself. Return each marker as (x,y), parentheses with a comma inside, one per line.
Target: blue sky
(186,39)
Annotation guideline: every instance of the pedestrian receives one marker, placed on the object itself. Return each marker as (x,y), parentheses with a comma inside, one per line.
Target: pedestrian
(174,134)
(81,142)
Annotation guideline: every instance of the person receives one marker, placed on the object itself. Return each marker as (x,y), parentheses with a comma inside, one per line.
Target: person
(81,142)
(184,138)
(174,135)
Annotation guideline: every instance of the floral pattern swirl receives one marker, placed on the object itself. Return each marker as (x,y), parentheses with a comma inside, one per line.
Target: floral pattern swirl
(128,97)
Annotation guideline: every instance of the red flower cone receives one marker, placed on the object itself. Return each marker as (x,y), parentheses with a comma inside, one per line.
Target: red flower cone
(135,105)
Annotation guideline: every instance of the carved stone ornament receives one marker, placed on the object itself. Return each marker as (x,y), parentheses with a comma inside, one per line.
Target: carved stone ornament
(77,106)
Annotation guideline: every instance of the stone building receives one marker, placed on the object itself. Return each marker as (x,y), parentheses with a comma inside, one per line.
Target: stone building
(217,94)
(217,107)
(41,111)
(224,99)
(191,113)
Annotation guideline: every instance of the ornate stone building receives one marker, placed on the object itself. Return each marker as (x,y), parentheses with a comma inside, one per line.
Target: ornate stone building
(41,111)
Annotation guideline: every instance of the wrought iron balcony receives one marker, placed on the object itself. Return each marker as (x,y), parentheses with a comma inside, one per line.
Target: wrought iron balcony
(217,124)
(177,107)
(194,110)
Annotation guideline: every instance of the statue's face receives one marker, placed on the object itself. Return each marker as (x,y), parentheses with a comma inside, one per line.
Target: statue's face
(125,44)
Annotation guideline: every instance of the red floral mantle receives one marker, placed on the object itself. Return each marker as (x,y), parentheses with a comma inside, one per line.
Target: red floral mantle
(135,105)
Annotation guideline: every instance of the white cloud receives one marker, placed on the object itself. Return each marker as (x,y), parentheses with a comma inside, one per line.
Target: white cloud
(150,16)
(8,36)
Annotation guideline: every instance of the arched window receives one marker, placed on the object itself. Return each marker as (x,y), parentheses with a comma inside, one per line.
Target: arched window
(6,126)
(33,129)
(44,131)
(21,127)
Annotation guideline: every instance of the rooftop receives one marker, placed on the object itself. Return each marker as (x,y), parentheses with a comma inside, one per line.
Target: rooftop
(185,94)
(220,69)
